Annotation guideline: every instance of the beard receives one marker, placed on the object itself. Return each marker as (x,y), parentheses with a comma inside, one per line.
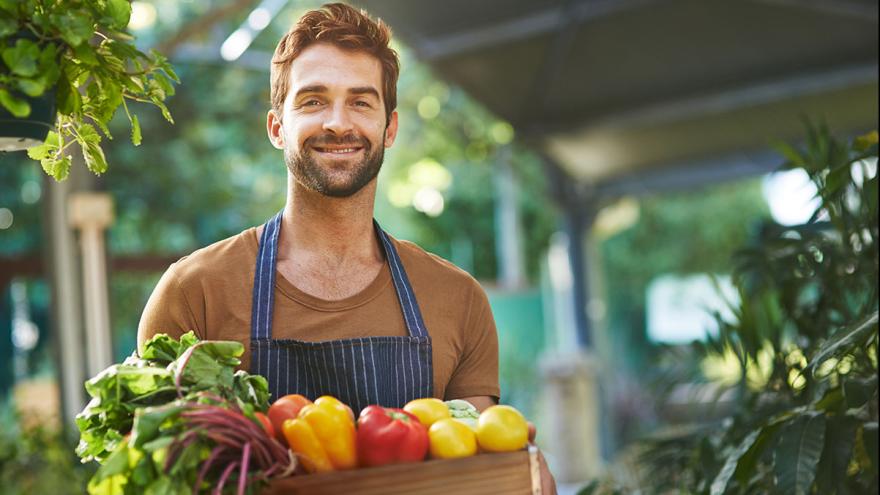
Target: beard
(326,179)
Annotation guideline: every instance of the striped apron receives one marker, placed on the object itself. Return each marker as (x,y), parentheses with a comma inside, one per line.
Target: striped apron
(386,370)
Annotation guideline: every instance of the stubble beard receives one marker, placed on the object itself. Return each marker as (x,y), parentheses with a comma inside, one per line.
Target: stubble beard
(308,172)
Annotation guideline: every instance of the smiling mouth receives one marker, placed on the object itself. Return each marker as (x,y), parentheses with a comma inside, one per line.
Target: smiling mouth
(338,151)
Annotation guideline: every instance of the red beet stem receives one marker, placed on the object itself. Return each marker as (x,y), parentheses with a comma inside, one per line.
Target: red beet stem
(218,490)
(242,478)
(215,453)
(178,374)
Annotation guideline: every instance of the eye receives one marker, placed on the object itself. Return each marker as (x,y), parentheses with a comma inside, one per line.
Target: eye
(362,103)
(311,103)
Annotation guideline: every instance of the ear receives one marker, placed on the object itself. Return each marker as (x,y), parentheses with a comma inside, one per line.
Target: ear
(275,130)
(391,130)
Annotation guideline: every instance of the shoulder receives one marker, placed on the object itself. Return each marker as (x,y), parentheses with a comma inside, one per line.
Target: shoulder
(220,260)
(428,269)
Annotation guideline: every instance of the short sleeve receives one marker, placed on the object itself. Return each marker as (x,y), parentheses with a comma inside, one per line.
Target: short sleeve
(477,371)
(168,311)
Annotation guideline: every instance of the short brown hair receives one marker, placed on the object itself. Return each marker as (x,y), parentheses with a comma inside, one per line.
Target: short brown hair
(345,27)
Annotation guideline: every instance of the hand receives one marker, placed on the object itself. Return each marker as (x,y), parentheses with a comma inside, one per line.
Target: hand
(548,483)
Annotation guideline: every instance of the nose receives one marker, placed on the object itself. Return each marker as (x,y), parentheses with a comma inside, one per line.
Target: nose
(338,121)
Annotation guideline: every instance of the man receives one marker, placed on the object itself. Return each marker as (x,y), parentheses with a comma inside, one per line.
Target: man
(324,301)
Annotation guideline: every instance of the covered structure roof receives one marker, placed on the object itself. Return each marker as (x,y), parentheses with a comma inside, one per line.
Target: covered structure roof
(628,95)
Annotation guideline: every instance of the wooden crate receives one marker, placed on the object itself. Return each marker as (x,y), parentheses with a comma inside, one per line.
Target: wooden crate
(515,473)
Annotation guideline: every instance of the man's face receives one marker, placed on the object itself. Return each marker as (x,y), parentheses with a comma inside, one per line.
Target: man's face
(333,131)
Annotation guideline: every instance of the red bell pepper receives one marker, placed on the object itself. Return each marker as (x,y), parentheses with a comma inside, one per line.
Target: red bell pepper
(389,436)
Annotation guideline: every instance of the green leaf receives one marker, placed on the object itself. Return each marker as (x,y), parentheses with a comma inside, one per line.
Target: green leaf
(832,401)
(68,98)
(721,481)
(75,26)
(10,6)
(7,26)
(837,178)
(745,468)
(135,130)
(209,364)
(90,142)
(840,439)
(163,109)
(134,84)
(170,71)
(165,85)
(117,463)
(798,453)
(792,156)
(165,349)
(859,391)
(49,146)
(148,420)
(48,67)
(31,87)
(114,485)
(94,157)
(162,486)
(119,11)
(252,388)
(85,55)
(870,441)
(16,106)
(22,57)
(845,340)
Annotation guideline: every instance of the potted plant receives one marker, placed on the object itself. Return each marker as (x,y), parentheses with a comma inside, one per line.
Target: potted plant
(66,66)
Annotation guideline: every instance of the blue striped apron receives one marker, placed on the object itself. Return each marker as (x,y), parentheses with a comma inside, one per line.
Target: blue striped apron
(385,370)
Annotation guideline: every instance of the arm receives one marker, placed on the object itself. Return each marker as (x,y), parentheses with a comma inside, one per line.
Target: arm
(168,311)
(475,377)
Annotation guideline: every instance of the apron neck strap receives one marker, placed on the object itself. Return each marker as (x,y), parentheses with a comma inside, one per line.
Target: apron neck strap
(412,315)
(263,303)
(262,307)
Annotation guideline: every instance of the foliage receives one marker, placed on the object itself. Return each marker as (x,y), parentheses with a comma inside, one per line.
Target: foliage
(178,416)
(805,337)
(193,445)
(686,232)
(694,231)
(37,460)
(166,370)
(77,50)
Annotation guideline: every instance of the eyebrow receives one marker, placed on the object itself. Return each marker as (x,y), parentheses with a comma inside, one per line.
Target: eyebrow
(318,88)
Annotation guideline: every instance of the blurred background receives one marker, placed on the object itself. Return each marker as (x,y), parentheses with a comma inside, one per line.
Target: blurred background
(594,164)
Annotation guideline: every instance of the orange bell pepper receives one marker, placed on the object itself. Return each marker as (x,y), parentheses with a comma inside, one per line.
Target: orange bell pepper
(323,436)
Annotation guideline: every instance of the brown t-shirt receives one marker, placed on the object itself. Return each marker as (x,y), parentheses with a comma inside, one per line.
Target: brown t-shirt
(209,292)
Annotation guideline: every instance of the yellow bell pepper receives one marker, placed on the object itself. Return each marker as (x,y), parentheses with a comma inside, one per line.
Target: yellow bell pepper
(323,436)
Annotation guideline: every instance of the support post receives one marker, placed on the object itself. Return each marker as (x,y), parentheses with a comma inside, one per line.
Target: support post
(511,274)
(91,213)
(63,277)
(571,373)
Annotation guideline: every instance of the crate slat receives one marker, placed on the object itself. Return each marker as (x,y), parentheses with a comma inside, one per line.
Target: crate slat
(501,474)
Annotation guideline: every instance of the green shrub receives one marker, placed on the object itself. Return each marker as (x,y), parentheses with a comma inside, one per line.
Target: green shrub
(805,338)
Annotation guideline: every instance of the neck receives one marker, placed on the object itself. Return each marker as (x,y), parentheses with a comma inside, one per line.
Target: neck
(339,229)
